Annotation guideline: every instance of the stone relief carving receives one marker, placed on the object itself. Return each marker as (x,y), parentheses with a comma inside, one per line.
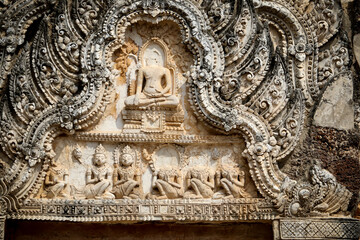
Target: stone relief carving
(99,176)
(199,183)
(231,182)
(173,174)
(126,177)
(155,83)
(56,182)
(154,89)
(2,227)
(318,228)
(244,75)
(167,184)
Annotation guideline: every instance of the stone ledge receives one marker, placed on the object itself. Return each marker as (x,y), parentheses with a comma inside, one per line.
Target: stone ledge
(120,210)
(156,138)
(317,228)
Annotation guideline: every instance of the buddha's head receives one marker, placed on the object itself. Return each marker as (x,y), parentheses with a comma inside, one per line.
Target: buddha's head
(152,61)
(153,56)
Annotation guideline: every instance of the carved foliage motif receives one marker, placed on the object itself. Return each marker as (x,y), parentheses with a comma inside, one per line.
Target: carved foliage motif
(239,80)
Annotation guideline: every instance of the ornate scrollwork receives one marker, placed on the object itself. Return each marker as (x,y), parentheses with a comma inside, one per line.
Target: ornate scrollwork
(248,76)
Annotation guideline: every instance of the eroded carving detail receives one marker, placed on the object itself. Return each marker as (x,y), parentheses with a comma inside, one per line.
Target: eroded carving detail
(231,181)
(126,177)
(199,183)
(56,182)
(98,177)
(318,228)
(155,85)
(139,74)
(2,227)
(167,184)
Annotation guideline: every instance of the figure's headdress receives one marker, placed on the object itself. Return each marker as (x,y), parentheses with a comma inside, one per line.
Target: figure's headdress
(127,150)
(100,150)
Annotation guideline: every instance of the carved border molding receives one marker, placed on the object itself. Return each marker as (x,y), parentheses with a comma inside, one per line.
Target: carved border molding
(147,210)
(147,138)
(319,228)
(2,227)
(239,84)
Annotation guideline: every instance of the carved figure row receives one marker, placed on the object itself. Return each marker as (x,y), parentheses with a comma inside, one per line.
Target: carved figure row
(125,181)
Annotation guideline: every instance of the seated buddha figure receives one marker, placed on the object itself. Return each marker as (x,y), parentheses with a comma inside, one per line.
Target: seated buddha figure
(98,177)
(154,85)
(126,177)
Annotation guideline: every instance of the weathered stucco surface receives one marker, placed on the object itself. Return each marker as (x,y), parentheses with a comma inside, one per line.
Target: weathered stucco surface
(179,119)
(336,108)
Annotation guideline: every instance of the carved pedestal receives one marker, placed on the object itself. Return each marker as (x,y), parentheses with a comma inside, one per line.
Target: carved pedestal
(153,120)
